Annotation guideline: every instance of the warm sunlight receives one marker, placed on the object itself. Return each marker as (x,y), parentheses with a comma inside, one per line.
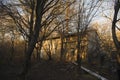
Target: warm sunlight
(59,40)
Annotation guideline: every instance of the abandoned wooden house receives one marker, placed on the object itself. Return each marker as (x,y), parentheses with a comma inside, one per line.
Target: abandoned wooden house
(88,46)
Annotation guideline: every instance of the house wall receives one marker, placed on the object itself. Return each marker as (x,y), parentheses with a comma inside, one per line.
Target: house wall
(88,45)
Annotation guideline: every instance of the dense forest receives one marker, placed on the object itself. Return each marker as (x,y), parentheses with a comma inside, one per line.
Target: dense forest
(59,40)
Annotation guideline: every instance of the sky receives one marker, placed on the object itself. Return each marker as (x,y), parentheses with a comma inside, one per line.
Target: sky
(5,1)
(105,9)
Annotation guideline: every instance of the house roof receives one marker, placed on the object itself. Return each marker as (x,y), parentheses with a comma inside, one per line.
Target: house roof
(56,35)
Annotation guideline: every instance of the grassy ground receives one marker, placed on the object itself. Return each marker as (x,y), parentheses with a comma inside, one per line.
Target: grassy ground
(46,70)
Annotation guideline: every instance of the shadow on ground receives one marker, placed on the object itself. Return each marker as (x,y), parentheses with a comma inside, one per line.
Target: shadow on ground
(46,70)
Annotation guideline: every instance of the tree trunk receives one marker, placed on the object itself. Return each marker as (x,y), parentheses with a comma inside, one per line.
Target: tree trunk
(12,51)
(12,46)
(114,35)
(78,54)
(39,51)
(78,51)
(49,56)
(78,40)
(50,51)
(61,50)
(79,37)
(39,12)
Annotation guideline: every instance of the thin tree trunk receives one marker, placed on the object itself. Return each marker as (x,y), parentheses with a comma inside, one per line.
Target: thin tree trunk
(49,56)
(50,51)
(39,51)
(78,40)
(78,54)
(12,51)
(78,51)
(62,50)
(12,46)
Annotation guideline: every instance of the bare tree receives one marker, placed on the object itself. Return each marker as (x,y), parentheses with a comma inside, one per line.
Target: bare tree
(114,35)
(36,10)
(35,20)
(86,12)
(7,27)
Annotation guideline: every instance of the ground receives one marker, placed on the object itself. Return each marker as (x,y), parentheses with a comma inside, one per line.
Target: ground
(46,70)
